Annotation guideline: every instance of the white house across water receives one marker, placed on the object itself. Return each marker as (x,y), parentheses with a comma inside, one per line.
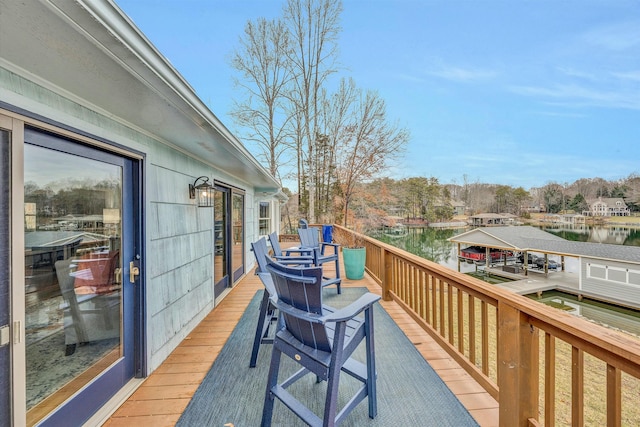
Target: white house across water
(126,209)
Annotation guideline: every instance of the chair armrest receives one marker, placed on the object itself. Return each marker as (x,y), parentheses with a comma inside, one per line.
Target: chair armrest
(302,250)
(296,260)
(323,245)
(337,245)
(350,311)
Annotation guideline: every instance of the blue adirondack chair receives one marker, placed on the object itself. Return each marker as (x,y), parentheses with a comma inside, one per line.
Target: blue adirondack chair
(268,312)
(322,342)
(304,256)
(309,238)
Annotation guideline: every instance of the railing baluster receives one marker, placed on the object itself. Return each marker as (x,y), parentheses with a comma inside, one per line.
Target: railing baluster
(549,380)
(427,311)
(434,302)
(415,288)
(614,400)
(484,315)
(472,329)
(460,321)
(577,387)
(450,313)
(442,307)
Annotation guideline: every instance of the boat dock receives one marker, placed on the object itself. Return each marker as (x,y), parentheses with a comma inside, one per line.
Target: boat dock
(536,281)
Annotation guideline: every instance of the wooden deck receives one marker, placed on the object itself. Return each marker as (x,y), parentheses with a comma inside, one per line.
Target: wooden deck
(164,395)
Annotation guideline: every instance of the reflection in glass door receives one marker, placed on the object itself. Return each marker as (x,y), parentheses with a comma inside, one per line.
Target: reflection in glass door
(75,245)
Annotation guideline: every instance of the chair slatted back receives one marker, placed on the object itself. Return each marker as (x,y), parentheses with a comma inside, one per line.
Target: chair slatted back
(309,237)
(275,244)
(301,288)
(261,252)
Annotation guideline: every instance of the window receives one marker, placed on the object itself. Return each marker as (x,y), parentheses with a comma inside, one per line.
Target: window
(264,219)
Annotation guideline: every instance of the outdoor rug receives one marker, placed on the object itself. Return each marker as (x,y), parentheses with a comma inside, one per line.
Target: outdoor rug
(410,393)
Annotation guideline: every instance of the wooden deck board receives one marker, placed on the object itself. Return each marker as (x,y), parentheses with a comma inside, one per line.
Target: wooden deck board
(164,395)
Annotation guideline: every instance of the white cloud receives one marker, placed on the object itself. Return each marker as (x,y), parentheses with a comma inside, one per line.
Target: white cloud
(616,37)
(570,72)
(463,74)
(630,75)
(578,96)
(410,78)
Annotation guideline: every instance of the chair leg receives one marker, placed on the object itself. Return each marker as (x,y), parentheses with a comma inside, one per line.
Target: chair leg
(331,404)
(260,328)
(333,380)
(338,274)
(371,364)
(272,381)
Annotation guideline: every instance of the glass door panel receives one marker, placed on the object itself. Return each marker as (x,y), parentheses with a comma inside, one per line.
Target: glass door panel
(237,213)
(221,241)
(76,312)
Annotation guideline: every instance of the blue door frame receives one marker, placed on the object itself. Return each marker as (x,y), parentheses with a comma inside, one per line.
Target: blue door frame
(85,403)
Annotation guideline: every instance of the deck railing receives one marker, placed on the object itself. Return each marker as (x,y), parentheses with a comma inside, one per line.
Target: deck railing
(542,365)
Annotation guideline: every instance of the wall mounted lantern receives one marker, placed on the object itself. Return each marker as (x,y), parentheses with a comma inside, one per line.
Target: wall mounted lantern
(202,192)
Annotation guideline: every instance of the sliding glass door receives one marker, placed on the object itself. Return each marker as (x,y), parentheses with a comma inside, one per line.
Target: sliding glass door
(81,247)
(229,230)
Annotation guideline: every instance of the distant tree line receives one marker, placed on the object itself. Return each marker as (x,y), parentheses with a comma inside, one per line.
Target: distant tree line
(426,199)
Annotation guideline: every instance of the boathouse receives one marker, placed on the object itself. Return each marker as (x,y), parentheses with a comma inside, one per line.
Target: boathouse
(127,208)
(606,272)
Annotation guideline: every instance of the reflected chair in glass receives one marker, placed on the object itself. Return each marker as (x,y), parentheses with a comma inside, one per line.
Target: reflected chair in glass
(87,317)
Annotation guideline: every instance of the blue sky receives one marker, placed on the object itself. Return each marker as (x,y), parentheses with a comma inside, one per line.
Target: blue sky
(520,93)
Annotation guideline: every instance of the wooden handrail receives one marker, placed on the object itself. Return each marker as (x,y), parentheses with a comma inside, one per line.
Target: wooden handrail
(502,339)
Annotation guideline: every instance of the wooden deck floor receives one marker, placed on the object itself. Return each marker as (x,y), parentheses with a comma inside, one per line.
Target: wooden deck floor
(164,395)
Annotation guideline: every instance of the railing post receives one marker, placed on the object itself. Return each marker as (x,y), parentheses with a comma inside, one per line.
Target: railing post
(387,273)
(518,367)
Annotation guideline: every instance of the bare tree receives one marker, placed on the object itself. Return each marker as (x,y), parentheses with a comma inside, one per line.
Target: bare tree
(262,59)
(314,28)
(370,144)
(334,119)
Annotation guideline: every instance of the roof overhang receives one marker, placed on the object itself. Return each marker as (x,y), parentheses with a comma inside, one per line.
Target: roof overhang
(480,237)
(93,54)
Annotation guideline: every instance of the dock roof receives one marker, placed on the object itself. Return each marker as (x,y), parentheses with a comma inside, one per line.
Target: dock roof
(532,239)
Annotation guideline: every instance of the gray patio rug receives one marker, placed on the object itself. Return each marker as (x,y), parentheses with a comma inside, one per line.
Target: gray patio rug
(410,393)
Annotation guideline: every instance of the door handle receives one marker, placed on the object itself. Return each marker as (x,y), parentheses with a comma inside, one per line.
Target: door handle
(134,271)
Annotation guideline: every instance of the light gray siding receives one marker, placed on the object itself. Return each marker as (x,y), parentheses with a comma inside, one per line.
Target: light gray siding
(179,262)
(617,281)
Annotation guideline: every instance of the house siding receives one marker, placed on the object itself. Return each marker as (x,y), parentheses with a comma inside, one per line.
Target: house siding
(619,281)
(179,236)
